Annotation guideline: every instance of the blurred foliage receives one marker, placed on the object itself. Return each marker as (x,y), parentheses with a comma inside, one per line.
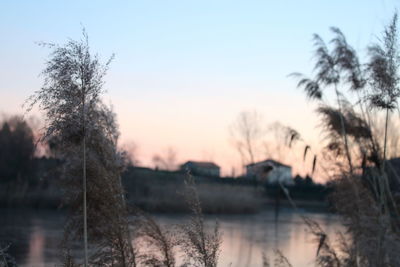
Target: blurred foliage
(17,150)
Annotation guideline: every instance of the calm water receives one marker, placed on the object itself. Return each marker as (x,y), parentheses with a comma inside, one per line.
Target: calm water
(35,236)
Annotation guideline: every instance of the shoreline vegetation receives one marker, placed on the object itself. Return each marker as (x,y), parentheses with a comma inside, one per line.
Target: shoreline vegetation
(160,192)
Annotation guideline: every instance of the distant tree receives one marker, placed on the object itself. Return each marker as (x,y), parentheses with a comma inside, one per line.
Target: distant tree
(165,161)
(308,180)
(17,150)
(279,139)
(246,133)
(298,180)
(130,151)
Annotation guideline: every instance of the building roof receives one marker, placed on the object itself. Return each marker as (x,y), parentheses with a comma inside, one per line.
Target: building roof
(202,164)
(271,161)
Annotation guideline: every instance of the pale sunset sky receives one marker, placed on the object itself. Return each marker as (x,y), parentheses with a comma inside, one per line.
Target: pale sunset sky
(183,70)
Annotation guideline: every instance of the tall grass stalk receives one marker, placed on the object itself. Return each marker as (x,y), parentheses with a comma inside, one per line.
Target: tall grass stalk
(201,248)
(85,235)
(363,191)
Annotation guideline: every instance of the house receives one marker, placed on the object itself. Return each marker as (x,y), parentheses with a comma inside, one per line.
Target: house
(201,168)
(270,171)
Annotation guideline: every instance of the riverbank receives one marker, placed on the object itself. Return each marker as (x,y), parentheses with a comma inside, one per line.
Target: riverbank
(163,192)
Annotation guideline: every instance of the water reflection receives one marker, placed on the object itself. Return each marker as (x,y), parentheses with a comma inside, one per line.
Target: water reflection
(36,235)
(36,245)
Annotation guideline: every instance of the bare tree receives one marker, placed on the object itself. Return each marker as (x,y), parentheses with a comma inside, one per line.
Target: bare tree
(130,150)
(246,133)
(276,141)
(167,160)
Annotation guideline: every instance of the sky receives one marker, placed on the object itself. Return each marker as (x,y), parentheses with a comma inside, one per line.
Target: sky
(184,70)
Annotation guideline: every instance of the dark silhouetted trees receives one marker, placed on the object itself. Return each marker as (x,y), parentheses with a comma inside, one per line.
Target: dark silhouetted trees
(17,150)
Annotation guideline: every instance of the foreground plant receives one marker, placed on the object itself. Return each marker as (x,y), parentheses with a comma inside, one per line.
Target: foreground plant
(364,188)
(159,242)
(85,135)
(200,247)
(159,246)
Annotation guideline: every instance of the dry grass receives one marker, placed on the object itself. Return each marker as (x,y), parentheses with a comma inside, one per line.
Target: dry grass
(159,243)
(157,246)
(279,260)
(163,192)
(200,248)
(6,259)
(364,192)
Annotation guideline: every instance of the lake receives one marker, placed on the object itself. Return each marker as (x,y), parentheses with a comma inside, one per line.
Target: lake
(35,235)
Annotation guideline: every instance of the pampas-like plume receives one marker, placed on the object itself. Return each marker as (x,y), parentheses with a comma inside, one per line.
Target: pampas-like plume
(314,164)
(355,126)
(365,198)
(201,248)
(325,64)
(108,223)
(306,149)
(347,61)
(160,242)
(311,87)
(292,135)
(86,134)
(384,69)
